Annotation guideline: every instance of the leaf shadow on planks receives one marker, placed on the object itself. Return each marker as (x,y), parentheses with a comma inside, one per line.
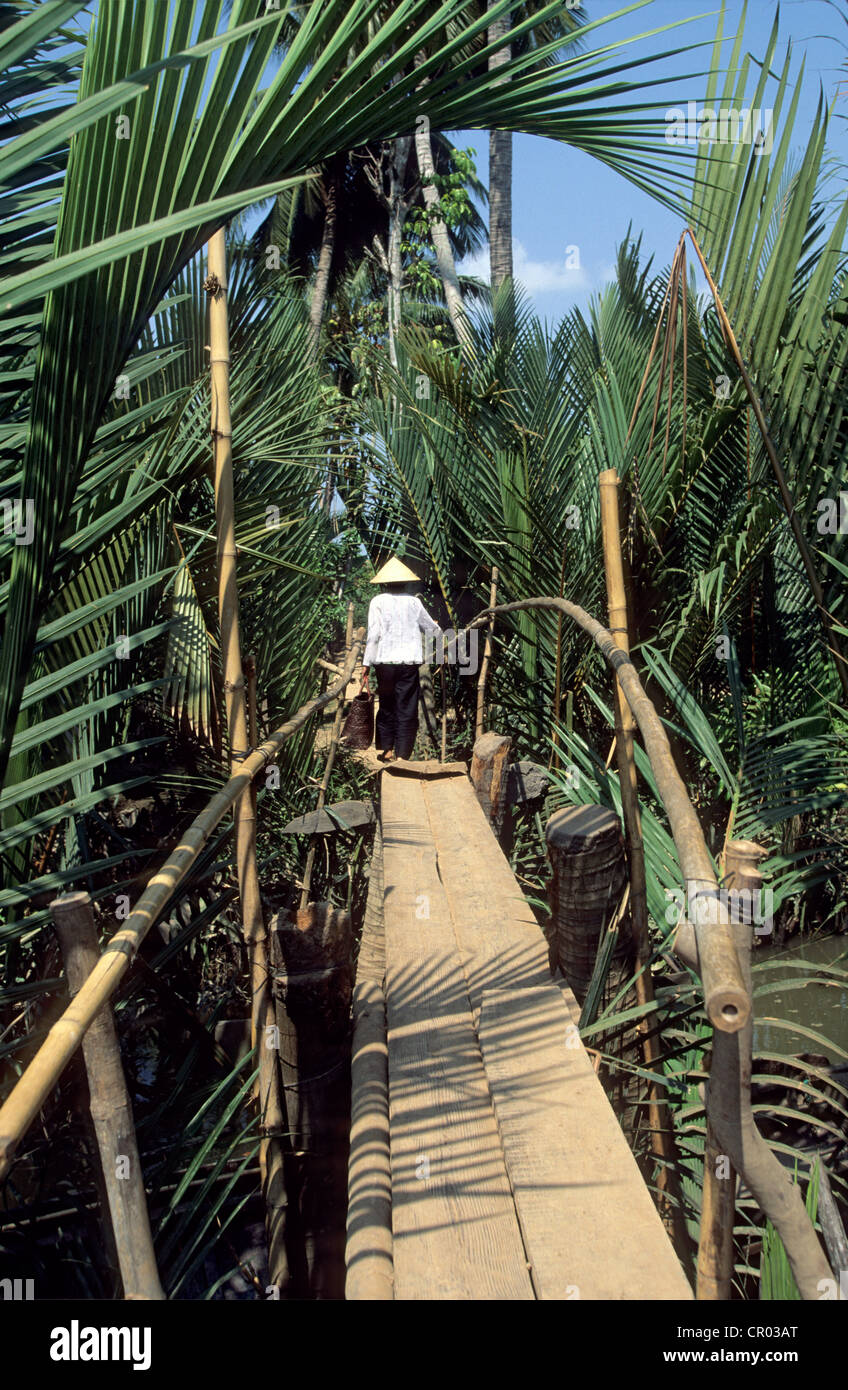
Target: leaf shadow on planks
(452,1067)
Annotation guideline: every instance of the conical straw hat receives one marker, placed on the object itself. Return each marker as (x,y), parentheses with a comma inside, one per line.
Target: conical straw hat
(394,571)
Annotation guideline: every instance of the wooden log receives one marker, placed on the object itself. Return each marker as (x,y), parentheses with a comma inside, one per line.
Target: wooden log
(490,775)
(586,851)
(111,1110)
(368,1253)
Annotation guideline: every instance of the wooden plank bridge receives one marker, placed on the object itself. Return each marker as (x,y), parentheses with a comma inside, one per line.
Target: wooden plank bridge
(486,1161)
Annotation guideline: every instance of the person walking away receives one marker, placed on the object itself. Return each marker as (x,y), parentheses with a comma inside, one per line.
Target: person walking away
(396,620)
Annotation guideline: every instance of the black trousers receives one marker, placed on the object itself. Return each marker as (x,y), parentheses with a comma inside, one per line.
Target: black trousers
(397,717)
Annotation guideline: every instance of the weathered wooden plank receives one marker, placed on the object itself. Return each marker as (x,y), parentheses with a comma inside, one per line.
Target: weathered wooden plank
(590,1228)
(429,768)
(455,1230)
(501,942)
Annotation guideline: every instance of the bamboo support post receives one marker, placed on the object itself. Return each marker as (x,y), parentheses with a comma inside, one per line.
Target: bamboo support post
(487,657)
(554,760)
(735,1137)
(63,1039)
(244,818)
(111,1109)
(663,1144)
(268,1087)
(715,1240)
(328,769)
(444,748)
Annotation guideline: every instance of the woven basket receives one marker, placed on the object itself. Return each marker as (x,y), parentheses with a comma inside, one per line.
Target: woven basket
(358,731)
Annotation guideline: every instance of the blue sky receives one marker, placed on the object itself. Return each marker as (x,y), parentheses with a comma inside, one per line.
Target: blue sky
(562,198)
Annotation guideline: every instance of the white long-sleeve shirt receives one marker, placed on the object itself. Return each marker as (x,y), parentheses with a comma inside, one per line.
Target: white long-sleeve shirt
(395,625)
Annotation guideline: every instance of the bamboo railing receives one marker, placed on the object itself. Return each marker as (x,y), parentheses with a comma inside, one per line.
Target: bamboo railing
(45,1068)
(716,950)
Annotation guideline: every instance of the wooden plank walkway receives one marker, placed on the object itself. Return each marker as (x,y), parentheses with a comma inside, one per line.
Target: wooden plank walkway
(510,1176)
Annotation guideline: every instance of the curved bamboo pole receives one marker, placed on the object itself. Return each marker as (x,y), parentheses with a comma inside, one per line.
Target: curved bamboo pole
(42,1073)
(711,948)
(727,1000)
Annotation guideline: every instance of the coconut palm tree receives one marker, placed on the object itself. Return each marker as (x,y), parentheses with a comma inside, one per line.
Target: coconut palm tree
(176,131)
(565,23)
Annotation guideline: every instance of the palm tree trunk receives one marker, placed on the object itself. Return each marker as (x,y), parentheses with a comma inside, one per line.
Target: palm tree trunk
(500,172)
(441,238)
(325,259)
(398,208)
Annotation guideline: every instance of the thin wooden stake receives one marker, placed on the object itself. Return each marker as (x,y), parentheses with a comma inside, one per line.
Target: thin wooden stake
(111,1109)
(487,656)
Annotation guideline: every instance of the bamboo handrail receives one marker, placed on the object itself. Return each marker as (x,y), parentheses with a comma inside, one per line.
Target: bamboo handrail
(726,999)
(710,947)
(45,1068)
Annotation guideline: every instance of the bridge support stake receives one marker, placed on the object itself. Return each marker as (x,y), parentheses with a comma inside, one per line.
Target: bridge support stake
(490,775)
(111,1109)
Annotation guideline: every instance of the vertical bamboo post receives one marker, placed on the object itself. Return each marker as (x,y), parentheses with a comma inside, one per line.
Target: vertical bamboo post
(444,748)
(252,723)
(234,683)
(111,1109)
(487,656)
(715,1241)
(662,1137)
(244,811)
(328,768)
(554,761)
(715,1244)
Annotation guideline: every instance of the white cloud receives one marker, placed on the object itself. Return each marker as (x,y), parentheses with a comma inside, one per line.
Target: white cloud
(537,277)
